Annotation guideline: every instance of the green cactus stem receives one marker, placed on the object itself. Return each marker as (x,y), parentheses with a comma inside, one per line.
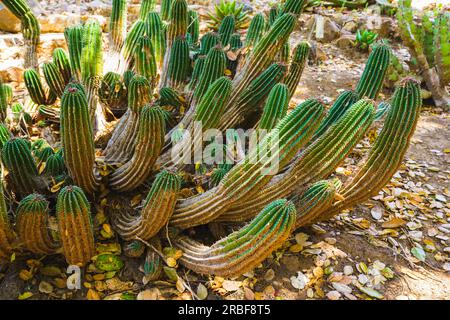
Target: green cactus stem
(74,40)
(17,158)
(76,135)
(345,100)
(32,225)
(170,97)
(297,65)
(179,64)
(156,32)
(194,26)
(50,114)
(54,165)
(129,47)
(207,42)
(251,174)
(5,135)
(316,162)
(35,88)
(146,7)
(149,142)
(442,43)
(158,208)
(75,225)
(374,72)
(213,68)
(145,58)
(118,24)
(6,232)
(275,108)
(61,60)
(226,29)
(178,21)
(3,101)
(387,151)
(255,30)
(153,264)
(293,6)
(199,64)
(121,145)
(113,91)
(54,78)
(244,249)
(166,6)
(274,12)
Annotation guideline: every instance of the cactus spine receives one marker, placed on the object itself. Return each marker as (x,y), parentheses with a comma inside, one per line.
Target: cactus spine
(298,62)
(275,108)
(374,72)
(75,225)
(77,135)
(32,225)
(157,210)
(149,142)
(244,249)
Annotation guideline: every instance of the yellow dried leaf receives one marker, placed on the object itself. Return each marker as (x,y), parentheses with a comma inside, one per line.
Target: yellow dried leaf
(92,295)
(393,223)
(25,275)
(25,295)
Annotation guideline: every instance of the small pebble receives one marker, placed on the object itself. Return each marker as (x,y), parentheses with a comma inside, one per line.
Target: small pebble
(348,270)
(333,295)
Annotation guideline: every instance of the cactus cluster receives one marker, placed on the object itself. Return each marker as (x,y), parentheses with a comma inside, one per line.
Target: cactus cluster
(161,79)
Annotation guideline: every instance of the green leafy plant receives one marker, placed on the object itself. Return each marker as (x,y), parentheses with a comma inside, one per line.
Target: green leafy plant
(364,38)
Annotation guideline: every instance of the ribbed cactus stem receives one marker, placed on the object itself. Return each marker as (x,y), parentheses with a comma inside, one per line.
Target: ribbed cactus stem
(75,225)
(179,64)
(54,165)
(17,158)
(244,249)
(196,72)
(388,149)
(371,80)
(442,43)
(32,225)
(3,101)
(255,30)
(315,200)
(153,263)
(207,42)
(274,12)
(194,26)
(213,68)
(345,100)
(275,108)
(145,58)
(178,21)
(170,97)
(61,60)
(252,173)
(54,78)
(74,40)
(156,31)
(92,52)
(158,208)
(166,6)
(35,88)
(293,6)
(137,30)
(118,24)
(6,232)
(297,65)
(316,162)
(112,91)
(226,29)
(121,145)
(5,135)
(77,135)
(146,7)
(149,142)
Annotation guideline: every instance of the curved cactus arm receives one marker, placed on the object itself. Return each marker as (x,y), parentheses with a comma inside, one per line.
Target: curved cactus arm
(74,41)
(35,88)
(371,80)
(149,142)
(75,225)
(297,65)
(226,29)
(255,30)
(118,24)
(316,162)
(250,101)
(388,150)
(244,249)
(62,62)
(275,108)
(54,78)
(76,135)
(261,57)
(157,210)
(246,179)
(157,33)
(50,114)
(6,232)
(17,158)
(193,26)
(213,67)
(315,200)
(121,145)
(30,30)
(137,30)
(345,100)
(32,225)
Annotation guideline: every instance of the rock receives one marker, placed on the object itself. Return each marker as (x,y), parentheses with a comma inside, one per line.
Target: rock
(346,41)
(384,26)
(326,29)
(8,21)
(12,71)
(350,26)
(348,270)
(56,23)
(291,262)
(333,295)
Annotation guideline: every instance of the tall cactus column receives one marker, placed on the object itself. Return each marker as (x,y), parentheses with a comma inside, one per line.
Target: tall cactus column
(77,138)
(6,232)
(244,249)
